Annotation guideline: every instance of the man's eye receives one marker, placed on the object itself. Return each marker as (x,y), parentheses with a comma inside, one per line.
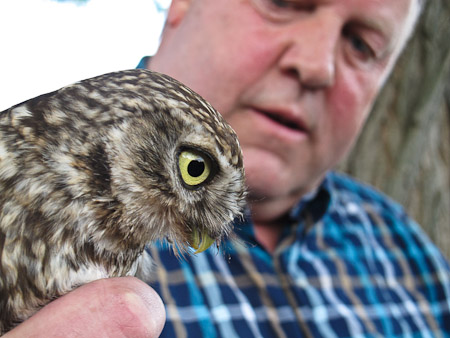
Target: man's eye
(298,5)
(281,3)
(359,45)
(282,10)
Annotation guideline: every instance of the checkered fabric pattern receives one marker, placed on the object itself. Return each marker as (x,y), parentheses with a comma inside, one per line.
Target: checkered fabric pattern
(349,264)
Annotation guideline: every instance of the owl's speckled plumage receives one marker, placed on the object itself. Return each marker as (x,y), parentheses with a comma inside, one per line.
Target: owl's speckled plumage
(89,175)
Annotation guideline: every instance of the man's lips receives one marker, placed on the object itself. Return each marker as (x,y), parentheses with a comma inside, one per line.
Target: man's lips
(296,125)
(284,119)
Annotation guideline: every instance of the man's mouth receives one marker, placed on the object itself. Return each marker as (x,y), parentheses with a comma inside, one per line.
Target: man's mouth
(284,118)
(286,122)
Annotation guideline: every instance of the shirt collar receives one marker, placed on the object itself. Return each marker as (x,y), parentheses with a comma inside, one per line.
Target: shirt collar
(143,63)
(315,203)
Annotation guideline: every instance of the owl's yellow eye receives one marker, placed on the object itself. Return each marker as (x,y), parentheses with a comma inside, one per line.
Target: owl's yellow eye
(195,167)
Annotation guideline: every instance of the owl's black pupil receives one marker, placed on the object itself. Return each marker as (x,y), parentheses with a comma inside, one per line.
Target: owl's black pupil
(196,168)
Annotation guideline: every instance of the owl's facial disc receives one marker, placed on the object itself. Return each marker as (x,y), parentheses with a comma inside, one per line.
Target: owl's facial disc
(196,168)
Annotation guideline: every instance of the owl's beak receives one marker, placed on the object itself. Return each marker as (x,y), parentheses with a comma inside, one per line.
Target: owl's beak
(200,241)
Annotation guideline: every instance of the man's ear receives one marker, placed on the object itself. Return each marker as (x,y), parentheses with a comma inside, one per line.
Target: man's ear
(177,10)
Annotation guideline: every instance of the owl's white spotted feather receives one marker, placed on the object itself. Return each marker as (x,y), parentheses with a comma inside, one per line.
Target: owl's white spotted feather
(93,172)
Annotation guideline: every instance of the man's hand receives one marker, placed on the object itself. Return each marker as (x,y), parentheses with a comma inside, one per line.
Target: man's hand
(114,307)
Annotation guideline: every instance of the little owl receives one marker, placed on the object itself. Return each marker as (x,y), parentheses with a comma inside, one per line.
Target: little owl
(93,172)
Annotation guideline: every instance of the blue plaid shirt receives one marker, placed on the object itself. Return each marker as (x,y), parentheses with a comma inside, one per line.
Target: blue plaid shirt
(349,264)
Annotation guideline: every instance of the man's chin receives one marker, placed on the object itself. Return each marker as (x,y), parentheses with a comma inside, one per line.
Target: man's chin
(268,207)
(272,191)
(260,188)
(270,177)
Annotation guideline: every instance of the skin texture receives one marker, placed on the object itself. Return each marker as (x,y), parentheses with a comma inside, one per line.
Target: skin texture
(321,69)
(314,70)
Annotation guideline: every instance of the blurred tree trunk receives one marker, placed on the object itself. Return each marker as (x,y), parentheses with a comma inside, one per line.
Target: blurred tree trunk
(404,149)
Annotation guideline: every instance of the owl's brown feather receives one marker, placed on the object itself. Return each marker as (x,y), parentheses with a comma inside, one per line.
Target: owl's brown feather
(89,175)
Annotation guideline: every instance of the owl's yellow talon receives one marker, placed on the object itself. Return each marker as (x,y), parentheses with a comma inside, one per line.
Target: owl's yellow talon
(200,241)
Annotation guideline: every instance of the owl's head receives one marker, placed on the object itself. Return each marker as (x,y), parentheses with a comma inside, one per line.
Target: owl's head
(176,165)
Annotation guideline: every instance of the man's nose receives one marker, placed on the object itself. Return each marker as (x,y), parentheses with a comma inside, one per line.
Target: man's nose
(310,52)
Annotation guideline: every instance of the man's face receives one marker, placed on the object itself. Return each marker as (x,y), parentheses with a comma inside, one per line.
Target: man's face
(295,79)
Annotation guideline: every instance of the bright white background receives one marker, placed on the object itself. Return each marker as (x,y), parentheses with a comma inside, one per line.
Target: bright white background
(45,44)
